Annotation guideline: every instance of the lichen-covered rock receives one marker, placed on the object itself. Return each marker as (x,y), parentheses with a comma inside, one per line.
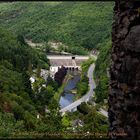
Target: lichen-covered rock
(132,41)
(124,94)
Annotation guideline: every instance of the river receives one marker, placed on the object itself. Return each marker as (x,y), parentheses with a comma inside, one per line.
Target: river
(67,96)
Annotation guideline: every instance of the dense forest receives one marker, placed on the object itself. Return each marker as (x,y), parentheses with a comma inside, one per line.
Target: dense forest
(82,26)
(78,24)
(19,104)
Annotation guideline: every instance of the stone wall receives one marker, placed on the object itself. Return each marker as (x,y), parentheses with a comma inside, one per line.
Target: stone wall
(124,95)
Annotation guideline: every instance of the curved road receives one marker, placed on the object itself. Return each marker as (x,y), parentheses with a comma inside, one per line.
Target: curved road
(86,97)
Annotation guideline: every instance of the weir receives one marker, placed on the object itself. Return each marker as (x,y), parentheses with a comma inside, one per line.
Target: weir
(71,63)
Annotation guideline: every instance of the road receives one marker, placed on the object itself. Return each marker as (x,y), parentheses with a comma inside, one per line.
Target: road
(86,97)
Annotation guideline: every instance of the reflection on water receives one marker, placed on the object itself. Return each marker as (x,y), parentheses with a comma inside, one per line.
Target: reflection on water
(67,96)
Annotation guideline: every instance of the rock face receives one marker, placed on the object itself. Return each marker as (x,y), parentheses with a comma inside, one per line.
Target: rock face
(124,95)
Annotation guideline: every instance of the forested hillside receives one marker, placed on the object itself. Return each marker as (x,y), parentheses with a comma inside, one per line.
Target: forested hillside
(101,72)
(82,26)
(77,24)
(19,105)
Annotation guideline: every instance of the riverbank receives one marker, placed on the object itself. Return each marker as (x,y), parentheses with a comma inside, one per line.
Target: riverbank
(61,89)
(85,97)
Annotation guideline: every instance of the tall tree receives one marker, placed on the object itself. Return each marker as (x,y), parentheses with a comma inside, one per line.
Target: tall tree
(27,83)
(38,70)
(124,96)
(30,67)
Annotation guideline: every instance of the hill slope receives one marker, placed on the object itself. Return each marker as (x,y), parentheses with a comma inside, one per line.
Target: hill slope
(79,25)
(75,23)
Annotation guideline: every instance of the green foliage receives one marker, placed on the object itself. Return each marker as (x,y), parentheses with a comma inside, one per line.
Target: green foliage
(102,64)
(51,82)
(77,24)
(85,65)
(82,86)
(17,98)
(95,121)
(54,122)
(9,125)
(53,104)
(66,121)
(47,48)
(83,108)
(20,56)
(29,121)
(17,110)
(10,81)
(59,91)
(46,94)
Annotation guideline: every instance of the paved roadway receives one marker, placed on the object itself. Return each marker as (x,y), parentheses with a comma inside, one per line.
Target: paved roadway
(86,97)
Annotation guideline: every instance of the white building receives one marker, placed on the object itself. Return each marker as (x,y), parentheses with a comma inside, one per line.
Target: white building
(32,79)
(54,69)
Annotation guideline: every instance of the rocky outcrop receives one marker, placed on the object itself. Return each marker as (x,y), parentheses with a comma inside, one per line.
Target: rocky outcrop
(124,95)
(60,75)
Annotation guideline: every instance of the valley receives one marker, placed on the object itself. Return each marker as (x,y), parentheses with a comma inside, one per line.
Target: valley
(54,59)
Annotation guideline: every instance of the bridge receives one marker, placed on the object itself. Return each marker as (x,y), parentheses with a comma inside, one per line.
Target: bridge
(72,63)
(85,98)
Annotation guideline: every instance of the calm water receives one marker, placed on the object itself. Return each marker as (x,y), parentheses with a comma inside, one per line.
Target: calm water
(68,97)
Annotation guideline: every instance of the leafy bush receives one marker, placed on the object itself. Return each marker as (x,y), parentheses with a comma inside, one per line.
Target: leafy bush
(9,125)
